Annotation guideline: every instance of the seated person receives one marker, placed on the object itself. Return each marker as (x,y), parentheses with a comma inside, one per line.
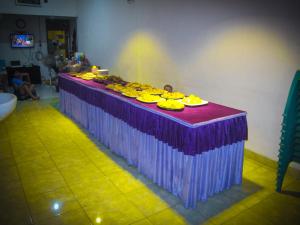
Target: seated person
(168,88)
(23,88)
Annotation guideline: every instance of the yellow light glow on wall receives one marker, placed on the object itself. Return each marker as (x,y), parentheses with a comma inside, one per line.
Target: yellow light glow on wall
(238,59)
(244,48)
(144,59)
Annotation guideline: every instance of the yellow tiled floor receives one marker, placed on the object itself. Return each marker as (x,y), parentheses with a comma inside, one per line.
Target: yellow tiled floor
(52,173)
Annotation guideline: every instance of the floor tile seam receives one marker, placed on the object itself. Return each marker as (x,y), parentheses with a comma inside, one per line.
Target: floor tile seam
(239,213)
(261,198)
(121,192)
(109,180)
(124,194)
(11,151)
(69,188)
(26,160)
(169,208)
(253,169)
(116,172)
(266,166)
(141,220)
(92,162)
(264,217)
(146,216)
(244,208)
(25,196)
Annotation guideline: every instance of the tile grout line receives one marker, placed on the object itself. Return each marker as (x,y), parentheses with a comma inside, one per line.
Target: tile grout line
(23,190)
(68,186)
(122,194)
(91,136)
(31,219)
(145,217)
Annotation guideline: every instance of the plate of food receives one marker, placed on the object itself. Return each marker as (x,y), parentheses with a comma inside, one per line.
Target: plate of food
(193,101)
(131,93)
(87,76)
(172,95)
(100,79)
(147,98)
(133,85)
(154,91)
(171,104)
(115,87)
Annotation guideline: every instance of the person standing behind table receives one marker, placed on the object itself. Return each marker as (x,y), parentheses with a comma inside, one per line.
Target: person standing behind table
(168,88)
(24,88)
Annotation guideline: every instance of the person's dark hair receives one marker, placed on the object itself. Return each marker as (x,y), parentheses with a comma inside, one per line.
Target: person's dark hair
(168,88)
(16,74)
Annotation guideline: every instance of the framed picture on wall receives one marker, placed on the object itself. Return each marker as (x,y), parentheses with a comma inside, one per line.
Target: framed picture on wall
(34,3)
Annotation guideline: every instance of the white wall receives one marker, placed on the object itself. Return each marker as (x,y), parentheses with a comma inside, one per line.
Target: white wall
(238,53)
(52,8)
(26,56)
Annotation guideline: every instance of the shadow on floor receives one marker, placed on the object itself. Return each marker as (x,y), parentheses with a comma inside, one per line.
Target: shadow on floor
(291,193)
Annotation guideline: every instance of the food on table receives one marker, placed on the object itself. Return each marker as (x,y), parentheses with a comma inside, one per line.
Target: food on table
(148,98)
(75,68)
(100,79)
(86,76)
(106,79)
(118,88)
(154,91)
(131,92)
(192,100)
(115,79)
(133,84)
(172,95)
(145,87)
(94,70)
(110,86)
(170,104)
(115,87)
(138,86)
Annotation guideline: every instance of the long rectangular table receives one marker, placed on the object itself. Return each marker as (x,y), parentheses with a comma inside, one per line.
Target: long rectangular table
(194,153)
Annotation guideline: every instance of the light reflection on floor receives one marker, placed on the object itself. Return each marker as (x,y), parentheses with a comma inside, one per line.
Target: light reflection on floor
(52,173)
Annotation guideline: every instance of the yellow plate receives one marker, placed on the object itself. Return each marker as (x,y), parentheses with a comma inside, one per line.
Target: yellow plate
(155,101)
(130,96)
(203,102)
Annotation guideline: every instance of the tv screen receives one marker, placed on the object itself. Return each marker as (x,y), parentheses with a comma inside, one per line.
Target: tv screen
(22,41)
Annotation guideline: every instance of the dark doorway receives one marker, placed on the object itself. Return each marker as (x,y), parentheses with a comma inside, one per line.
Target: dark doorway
(61,36)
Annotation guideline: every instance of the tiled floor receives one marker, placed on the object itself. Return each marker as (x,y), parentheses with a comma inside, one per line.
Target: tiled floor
(52,173)
(46,91)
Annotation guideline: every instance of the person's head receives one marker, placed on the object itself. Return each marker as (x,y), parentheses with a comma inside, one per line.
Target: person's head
(168,88)
(17,74)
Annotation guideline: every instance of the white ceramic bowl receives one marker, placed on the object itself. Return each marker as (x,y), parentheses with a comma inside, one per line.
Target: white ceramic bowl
(7,104)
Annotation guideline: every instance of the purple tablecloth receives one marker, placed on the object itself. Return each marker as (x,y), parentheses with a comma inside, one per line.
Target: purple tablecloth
(192,131)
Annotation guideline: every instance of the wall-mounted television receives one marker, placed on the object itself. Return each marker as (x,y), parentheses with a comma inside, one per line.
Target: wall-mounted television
(22,40)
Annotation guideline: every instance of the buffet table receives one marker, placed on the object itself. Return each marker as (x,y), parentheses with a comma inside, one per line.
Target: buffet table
(194,153)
